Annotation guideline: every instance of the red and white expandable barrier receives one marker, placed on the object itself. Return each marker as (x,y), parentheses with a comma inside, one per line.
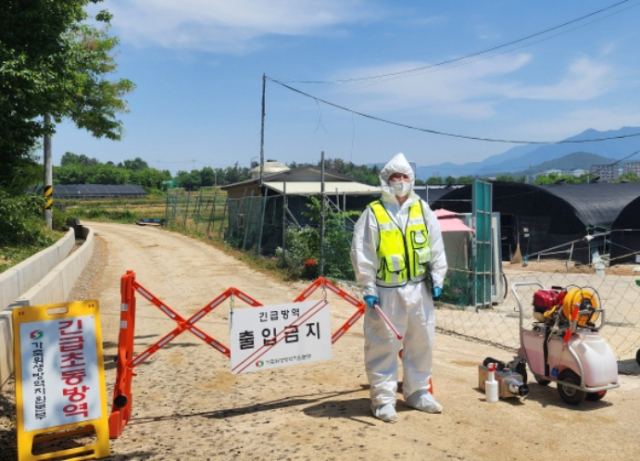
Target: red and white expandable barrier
(126,362)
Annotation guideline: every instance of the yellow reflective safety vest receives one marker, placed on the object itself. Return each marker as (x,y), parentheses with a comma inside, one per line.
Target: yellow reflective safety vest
(402,256)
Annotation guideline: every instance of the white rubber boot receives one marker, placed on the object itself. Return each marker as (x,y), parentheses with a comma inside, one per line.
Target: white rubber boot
(424,401)
(386,413)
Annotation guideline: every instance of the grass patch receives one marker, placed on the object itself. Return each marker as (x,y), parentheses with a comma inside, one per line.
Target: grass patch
(10,255)
(97,213)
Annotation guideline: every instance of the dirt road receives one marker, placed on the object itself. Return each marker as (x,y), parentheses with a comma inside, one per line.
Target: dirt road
(188,406)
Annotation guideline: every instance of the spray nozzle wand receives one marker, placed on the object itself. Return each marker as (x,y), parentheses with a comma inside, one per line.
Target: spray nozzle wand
(376,306)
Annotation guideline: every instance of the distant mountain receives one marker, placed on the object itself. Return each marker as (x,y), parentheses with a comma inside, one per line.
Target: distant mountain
(520,158)
(582,160)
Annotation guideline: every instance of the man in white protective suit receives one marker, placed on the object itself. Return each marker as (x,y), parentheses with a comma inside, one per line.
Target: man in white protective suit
(396,244)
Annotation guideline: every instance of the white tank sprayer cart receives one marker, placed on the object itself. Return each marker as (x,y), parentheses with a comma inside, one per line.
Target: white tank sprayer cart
(564,344)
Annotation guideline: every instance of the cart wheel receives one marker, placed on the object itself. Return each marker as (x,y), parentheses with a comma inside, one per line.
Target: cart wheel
(596,396)
(542,381)
(570,395)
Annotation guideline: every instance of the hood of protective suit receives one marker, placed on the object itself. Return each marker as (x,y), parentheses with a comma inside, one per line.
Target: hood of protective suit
(397,164)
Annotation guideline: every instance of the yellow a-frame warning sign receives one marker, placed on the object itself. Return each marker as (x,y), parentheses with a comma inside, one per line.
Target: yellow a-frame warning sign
(60,383)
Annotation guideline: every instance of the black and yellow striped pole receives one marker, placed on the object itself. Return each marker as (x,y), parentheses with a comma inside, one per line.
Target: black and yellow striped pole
(48,176)
(48,195)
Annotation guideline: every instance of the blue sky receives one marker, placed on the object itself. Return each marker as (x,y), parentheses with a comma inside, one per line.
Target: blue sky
(198,68)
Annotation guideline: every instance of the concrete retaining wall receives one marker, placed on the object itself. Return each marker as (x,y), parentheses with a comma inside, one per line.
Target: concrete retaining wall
(53,286)
(20,278)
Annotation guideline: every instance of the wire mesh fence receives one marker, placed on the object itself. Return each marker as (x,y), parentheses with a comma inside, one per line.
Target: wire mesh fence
(267,227)
(619,296)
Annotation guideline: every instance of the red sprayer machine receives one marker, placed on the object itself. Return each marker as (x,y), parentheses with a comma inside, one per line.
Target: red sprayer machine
(564,344)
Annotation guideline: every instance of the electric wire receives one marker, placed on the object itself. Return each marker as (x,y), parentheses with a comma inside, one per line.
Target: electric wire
(430,69)
(443,133)
(449,61)
(628,156)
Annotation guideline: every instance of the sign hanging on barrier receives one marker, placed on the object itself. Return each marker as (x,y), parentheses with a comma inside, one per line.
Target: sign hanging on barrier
(60,384)
(278,336)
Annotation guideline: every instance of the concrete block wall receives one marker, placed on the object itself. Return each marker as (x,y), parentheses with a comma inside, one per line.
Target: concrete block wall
(53,287)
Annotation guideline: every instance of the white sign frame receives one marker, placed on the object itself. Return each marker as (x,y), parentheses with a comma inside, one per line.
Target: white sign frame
(281,335)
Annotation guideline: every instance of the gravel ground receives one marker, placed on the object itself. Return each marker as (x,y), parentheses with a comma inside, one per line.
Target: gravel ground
(188,406)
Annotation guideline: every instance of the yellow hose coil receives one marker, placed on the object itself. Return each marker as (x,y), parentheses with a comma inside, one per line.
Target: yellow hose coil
(576,296)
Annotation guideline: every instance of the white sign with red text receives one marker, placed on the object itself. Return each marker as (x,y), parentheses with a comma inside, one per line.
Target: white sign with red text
(60,373)
(278,336)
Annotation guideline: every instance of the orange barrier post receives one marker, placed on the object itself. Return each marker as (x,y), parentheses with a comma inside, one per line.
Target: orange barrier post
(122,398)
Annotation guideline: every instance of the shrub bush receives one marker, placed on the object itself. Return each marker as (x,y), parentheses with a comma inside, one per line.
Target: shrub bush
(303,245)
(21,220)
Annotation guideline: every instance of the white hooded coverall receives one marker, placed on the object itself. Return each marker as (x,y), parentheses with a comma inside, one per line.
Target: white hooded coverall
(410,307)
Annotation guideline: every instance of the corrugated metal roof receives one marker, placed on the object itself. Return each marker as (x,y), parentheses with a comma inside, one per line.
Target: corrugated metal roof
(288,175)
(313,188)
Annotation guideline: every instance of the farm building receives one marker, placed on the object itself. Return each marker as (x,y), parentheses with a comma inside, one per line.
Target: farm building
(625,234)
(250,220)
(545,219)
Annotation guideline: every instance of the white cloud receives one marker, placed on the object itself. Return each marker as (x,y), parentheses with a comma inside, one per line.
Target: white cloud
(574,122)
(228,25)
(585,80)
(456,91)
(472,91)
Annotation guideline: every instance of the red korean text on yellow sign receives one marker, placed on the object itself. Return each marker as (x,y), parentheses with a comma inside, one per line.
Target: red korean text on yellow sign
(68,375)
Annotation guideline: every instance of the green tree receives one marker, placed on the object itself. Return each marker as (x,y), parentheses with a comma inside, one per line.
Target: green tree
(70,158)
(52,61)
(236,174)
(190,181)
(69,174)
(553,178)
(629,176)
(136,164)
(105,174)
(150,177)
(509,178)
(208,176)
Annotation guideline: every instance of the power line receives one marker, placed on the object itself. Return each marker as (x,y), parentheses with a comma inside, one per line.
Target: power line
(525,45)
(442,133)
(449,61)
(628,156)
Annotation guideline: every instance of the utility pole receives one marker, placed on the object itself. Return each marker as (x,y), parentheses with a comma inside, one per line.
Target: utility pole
(48,175)
(264,87)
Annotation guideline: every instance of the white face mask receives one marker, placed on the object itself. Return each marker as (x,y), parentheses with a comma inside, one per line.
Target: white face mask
(400,188)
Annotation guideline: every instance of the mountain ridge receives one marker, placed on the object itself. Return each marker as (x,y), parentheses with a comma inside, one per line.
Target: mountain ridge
(520,158)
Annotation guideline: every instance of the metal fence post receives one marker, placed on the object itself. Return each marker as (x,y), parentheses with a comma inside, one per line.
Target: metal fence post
(186,211)
(322,209)
(198,206)
(166,210)
(247,221)
(264,209)
(224,213)
(213,212)
(284,223)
